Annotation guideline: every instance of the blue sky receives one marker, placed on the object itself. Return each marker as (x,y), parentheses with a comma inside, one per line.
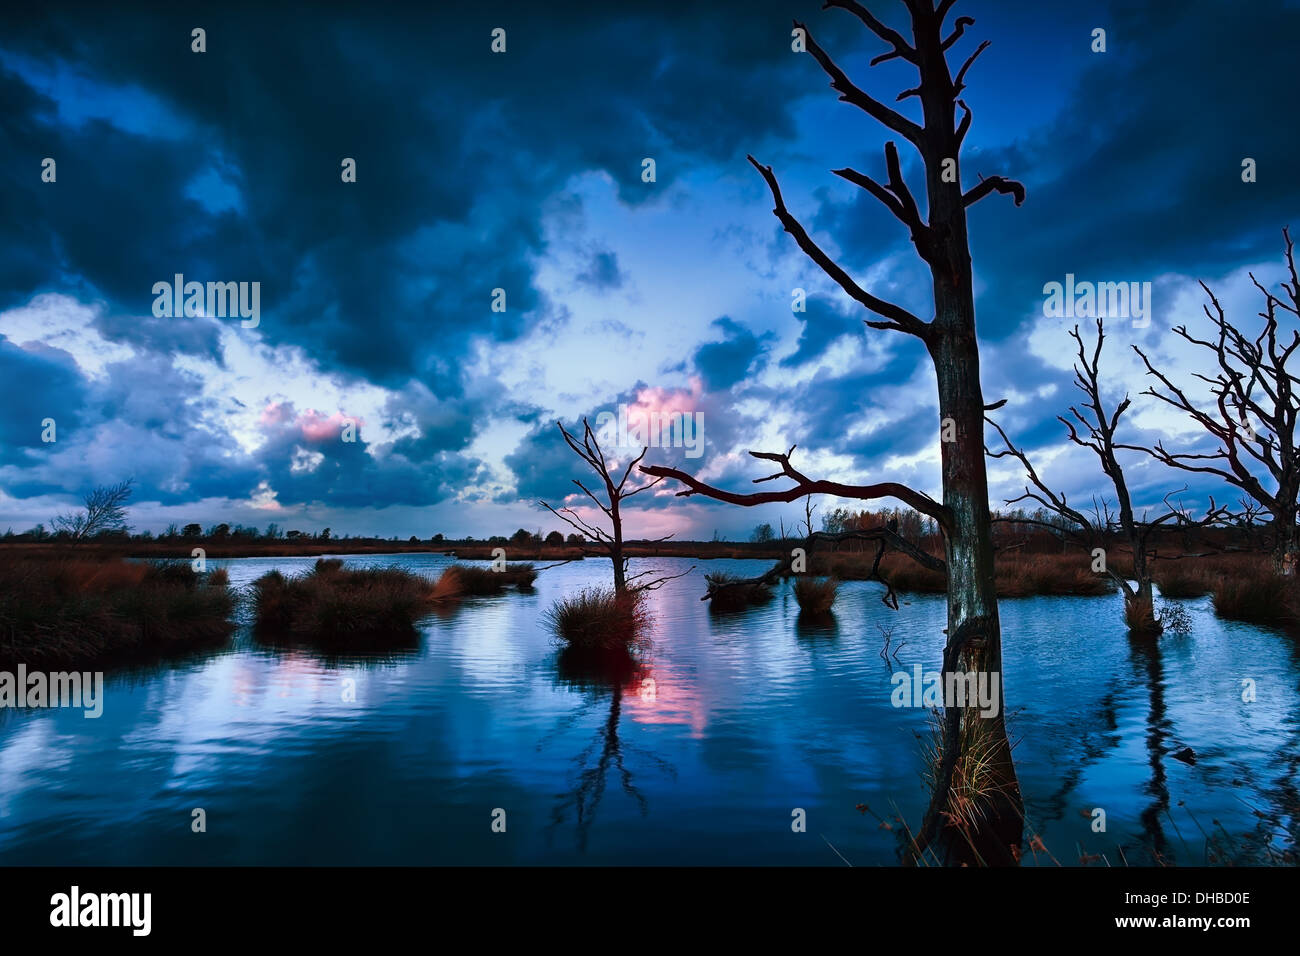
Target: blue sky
(522,171)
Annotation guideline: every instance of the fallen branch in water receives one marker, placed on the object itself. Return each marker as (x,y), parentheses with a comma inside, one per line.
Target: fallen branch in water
(884,536)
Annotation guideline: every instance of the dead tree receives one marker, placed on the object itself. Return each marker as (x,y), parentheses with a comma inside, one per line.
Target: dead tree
(1254,408)
(1246,519)
(105,510)
(1094,428)
(975,756)
(616,492)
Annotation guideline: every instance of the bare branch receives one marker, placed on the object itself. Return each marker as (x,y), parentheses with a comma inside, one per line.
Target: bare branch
(849,93)
(804,486)
(992,183)
(959,84)
(892,37)
(959,28)
(898,318)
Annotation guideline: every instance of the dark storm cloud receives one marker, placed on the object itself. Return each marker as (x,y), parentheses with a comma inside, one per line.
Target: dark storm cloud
(456,148)
(165,336)
(823,324)
(225,166)
(723,364)
(142,419)
(543,464)
(443,425)
(40,382)
(345,475)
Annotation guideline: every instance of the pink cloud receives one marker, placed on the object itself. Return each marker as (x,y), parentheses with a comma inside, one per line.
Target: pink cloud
(276,413)
(316,427)
(656,399)
(313,427)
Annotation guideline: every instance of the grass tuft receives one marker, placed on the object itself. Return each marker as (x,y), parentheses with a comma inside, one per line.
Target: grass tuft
(815,595)
(1140,616)
(1262,598)
(598,619)
(60,611)
(354,609)
(1180,579)
(485,582)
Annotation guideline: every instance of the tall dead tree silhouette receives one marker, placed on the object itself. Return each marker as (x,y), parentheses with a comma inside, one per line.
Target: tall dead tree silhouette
(976,810)
(1252,382)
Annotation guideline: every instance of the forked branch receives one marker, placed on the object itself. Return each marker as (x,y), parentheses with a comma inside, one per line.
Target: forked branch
(898,318)
(803,485)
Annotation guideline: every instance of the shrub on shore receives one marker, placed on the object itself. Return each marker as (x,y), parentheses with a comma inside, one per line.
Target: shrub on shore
(599,619)
(66,612)
(354,609)
(815,595)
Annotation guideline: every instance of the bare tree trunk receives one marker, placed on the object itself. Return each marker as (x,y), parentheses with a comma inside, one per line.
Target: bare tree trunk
(981,818)
(1286,543)
(616,549)
(974,630)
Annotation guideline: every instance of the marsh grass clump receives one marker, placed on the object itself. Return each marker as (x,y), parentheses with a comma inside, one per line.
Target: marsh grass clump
(1043,574)
(1261,598)
(974,791)
(521,576)
(485,582)
(358,609)
(62,611)
(1016,575)
(599,619)
(1140,615)
(1177,579)
(727,592)
(815,595)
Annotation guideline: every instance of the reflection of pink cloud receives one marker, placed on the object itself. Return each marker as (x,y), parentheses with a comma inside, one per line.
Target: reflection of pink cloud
(673,701)
(295,674)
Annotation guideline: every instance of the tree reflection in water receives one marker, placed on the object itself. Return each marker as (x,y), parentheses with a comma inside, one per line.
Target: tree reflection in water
(597,675)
